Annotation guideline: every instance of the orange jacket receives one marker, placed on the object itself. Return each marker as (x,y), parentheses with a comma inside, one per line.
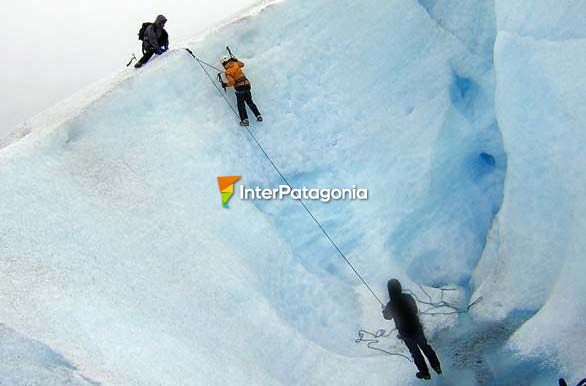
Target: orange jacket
(234,75)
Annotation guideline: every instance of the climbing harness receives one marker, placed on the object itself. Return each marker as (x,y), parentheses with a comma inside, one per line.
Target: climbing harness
(284,179)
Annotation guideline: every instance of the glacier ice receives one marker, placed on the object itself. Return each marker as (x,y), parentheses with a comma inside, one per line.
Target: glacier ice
(26,361)
(535,255)
(117,254)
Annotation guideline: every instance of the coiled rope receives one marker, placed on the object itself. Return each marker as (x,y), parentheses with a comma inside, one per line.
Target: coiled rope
(441,303)
(374,338)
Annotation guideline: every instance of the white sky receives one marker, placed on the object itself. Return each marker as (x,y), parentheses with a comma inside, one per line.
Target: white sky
(54,48)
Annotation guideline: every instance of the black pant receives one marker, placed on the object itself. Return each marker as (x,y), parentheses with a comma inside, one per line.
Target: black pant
(243,95)
(147,55)
(417,343)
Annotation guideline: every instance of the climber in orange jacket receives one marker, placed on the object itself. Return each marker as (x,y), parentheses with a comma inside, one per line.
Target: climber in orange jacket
(235,78)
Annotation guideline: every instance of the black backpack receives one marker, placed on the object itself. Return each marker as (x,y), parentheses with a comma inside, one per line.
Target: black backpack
(142,30)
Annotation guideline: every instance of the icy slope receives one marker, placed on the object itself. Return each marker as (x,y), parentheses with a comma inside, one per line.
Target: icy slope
(117,254)
(535,259)
(25,361)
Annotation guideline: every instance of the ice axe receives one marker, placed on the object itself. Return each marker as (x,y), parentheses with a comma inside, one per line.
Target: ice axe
(221,81)
(230,52)
(131,60)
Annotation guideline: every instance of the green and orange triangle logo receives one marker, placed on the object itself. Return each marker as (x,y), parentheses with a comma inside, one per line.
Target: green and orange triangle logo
(226,185)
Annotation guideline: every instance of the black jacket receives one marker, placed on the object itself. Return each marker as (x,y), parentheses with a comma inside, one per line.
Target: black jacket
(155,35)
(403,309)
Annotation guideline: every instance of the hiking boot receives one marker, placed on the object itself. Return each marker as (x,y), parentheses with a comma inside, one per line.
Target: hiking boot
(425,376)
(138,65)
(244,122)
(259,118)
(437,369)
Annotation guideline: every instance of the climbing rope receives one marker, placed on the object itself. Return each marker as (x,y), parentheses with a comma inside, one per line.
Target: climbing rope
(374,338)
(210,65)
(282,176)
(370,338)
(441,303)
(223,95)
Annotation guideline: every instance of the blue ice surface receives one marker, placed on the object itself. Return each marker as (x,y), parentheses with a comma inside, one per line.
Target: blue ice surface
(27,361)
(400,97)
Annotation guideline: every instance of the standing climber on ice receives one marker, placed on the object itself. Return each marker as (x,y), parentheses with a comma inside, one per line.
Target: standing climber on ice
(235,78)
(155,40)
(403,309)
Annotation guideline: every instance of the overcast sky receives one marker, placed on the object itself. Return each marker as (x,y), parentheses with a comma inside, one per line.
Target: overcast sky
(54,48)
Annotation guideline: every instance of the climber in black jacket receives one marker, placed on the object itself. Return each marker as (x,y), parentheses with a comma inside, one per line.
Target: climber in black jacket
(403,309)
(155,40)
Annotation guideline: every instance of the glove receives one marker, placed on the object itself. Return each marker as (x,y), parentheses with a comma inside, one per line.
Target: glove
(224,84)
(159,51)
(233,59)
